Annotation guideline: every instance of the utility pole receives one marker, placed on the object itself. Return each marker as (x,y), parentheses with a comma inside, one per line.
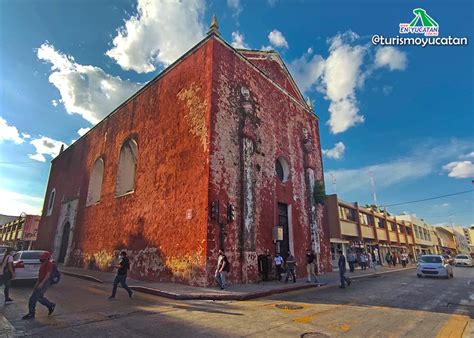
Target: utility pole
(333,181)
(452,228)
(373,186)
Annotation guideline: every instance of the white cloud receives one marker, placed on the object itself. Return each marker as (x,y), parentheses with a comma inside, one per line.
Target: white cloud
(337,152)
(45,146)
(160,32)
(85,90)
(238,41)
(390,57)
(340,79)
(12,203)
(9,133)
(235,6)
(470,155)
(444,205)
(277,39)
(54,103)
(462,169)
(422,161)
(307,70)
(25,135)
(272,3)
(340,75)
(82,131)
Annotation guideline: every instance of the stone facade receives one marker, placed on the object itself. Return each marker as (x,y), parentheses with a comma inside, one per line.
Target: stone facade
(209,128)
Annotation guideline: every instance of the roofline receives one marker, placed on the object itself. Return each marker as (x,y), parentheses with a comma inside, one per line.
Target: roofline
(292,80)
(173,65)
(239,53)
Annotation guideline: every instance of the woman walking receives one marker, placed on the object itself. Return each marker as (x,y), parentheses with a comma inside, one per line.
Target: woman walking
(8,273)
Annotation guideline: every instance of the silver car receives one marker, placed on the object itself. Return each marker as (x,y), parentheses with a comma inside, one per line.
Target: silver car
(27,264)
(434,266)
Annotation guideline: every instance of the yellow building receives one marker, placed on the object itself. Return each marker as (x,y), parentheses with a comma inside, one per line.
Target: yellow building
(355,228)
(447,241)
(425,237)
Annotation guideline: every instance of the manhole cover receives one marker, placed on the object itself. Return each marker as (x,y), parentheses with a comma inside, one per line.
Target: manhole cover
(313,334)
(289,306)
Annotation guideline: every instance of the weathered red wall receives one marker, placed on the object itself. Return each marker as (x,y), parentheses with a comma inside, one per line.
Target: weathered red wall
(279,132)
(169,119)
(189,128)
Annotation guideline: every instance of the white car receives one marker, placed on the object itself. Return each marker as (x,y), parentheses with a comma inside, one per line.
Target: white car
(462,260)
(433,265)
(27,264)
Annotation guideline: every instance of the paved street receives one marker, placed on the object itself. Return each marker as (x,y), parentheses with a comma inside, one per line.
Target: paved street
(393,305)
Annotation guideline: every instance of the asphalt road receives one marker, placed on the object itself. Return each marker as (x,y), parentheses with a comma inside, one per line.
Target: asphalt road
(393,305)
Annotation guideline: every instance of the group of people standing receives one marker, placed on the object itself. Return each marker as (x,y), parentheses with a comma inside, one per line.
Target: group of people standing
(364,259)
(283,266)
(395,257)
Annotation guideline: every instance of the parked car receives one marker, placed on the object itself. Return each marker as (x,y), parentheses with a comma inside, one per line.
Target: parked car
(434,265)
(462,260)
(27,264)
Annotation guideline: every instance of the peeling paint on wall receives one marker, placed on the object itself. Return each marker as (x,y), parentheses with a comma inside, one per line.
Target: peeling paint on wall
(196,114)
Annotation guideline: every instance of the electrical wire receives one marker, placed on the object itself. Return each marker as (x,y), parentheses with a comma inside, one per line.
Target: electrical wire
(427,199)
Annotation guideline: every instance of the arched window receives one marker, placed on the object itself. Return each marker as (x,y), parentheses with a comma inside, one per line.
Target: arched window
(95,182)
(282,169)
(52,196)
(126,168)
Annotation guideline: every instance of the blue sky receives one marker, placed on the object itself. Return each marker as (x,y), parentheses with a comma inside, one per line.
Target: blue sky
(402,115)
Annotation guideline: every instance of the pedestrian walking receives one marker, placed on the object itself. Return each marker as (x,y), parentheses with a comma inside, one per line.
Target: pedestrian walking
(342,271)
(290,267)
(363,261)
(374,262)
(278,266)
(404,259)
(121,277)
(394,259)
(8,274)
(222,266)
(42,284)
(351,260)
(388,258)
(376,256)
(310,260)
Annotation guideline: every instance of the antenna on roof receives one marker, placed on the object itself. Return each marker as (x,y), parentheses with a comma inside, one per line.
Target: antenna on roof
(214,27)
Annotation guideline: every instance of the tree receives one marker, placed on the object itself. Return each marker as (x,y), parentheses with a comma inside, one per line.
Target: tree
(319,192)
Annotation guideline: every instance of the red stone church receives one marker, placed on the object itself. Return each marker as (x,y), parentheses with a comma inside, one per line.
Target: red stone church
(219,150)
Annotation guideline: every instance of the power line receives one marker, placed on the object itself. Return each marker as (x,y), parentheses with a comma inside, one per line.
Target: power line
(427,199)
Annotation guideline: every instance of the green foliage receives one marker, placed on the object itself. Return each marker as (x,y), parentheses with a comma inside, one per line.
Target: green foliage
(319,192)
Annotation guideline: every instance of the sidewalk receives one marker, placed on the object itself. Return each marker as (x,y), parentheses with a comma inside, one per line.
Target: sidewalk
(234,292)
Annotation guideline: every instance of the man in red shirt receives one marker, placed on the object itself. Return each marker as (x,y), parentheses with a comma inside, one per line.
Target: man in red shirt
(41,286)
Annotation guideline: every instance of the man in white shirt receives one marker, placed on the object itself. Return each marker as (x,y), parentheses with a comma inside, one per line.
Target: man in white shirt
(278,264)
(221,269)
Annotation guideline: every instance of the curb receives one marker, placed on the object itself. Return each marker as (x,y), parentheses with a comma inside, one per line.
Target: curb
(81,276)
(238,297)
